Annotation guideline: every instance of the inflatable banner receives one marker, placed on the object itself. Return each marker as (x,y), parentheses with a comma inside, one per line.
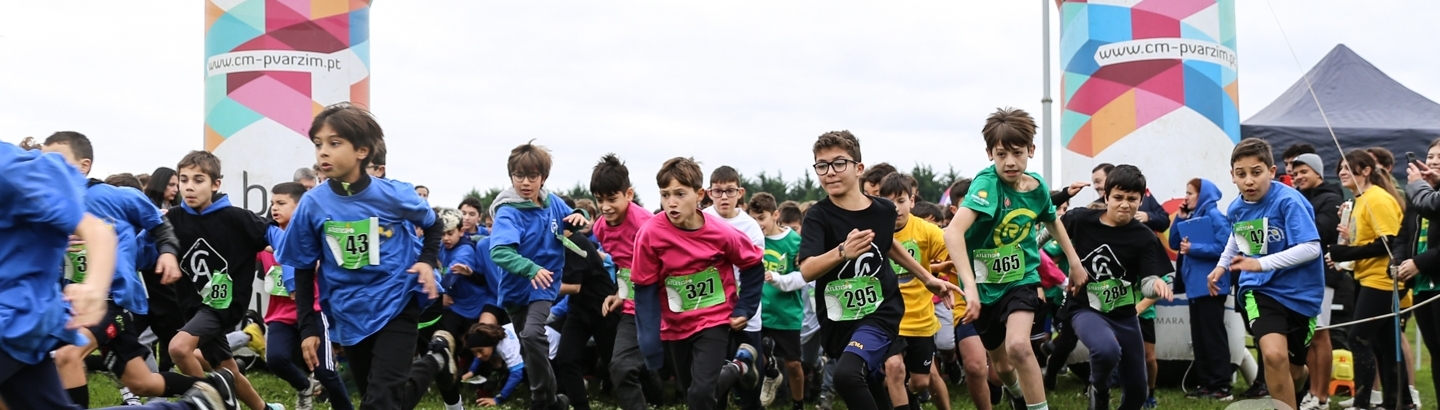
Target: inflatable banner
(270,66)
(1150,83)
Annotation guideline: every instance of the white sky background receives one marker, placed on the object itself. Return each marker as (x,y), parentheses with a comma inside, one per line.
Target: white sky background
(457,84)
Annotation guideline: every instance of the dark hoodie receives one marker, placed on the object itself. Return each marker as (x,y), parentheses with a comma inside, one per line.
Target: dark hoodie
(1326,200)
(1415,229)
(1204,254)
(220,239)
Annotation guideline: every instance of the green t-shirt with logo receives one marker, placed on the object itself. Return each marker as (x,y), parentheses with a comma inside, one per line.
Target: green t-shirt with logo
(782,310)
(1002,245)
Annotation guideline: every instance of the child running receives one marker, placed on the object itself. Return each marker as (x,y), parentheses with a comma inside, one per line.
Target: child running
(784,307)
(1276,249)
(222,242)
(922,242)
(282,334)
(995,227)
(846,247)
(703,303)
(374,280)
(528,243)
(610,183)
(1123,259)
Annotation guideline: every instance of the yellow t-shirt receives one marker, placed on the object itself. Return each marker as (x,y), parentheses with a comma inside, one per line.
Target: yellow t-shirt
(925,242)
(1376,214)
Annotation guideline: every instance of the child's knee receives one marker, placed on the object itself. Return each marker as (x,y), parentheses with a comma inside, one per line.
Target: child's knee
(895,369)
(794,367)
(1276,358)
(919,382)
(1019,349)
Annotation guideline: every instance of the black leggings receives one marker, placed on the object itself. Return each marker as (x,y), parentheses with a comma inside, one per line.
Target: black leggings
(1374,344)
(1427,318)
(852,381)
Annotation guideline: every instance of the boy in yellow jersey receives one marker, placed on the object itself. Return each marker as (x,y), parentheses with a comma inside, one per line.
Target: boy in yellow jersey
(924,242)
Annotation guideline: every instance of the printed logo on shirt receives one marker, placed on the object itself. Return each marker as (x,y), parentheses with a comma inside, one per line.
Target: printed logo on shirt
(1275,235)
(775,262)
(1103,265)
(981,197)
(387,231)
(1015,227)
(867,264)
(202,260)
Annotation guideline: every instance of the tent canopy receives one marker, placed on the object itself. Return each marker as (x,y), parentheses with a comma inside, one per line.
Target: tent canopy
(1366,108)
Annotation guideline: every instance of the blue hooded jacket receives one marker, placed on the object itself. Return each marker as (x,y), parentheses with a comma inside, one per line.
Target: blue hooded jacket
(1204,253)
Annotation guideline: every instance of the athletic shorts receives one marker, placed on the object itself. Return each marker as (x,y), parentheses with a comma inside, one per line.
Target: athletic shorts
(965,331)
(874,346)
(1147,330)
(945,340)
(1325,304)
(211,326)
(1267,316)
(119,342)
(919,354)
(787,343)
(995,316)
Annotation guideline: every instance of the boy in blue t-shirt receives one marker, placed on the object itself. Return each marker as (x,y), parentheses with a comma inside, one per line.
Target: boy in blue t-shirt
(129,212)
(1276,248)
(40,206)
(355,226)
(528,244)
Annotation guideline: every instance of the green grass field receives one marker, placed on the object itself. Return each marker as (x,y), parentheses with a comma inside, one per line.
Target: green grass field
(1067,396)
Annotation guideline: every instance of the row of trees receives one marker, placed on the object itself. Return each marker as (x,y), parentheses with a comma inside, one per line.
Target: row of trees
(806,188)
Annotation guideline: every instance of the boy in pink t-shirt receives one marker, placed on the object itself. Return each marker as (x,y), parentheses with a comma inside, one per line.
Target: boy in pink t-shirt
(702,302)
(282,335)
(610,183)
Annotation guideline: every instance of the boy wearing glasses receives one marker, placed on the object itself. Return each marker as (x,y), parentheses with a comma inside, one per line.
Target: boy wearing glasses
(726,192)
(528,243)
(847,245)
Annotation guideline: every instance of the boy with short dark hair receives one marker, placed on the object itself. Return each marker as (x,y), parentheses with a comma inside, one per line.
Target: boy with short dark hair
(1276,248)
(785,308)
(846,247)
(355,227)
(610,183)
(728,197)
(130,213)
(528,242)
(924,243)
(995,227)
(790,215)
(587,284)
(872,177)
(222,241)
(704,302)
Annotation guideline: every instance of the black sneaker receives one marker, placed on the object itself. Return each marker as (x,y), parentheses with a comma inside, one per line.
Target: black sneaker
(1198,393)
(223,382)
(1221,395)
(1257,390)
(1016,402)
(1099,398)
(562,402)
(442,345)
(202,396)
(996,394)
(749,375)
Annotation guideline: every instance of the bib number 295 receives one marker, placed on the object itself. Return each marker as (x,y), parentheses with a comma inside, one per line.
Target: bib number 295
(856,298)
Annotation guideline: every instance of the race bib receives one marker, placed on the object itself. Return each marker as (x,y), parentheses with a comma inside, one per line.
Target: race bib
(219,292)
(1110,294)
(1251,235)
(852,299)
(356,243)
(695,291)
(275,281)
(999,265)
(912,249)
(627,287)
(75,264)
(571,245)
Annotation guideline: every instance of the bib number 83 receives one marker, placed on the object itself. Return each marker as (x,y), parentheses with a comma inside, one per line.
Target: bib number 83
(700,289)
(854,299)
(219,291)
(1005,264)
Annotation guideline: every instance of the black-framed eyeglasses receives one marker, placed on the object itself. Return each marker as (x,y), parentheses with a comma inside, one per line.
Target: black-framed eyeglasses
(839,165)
(724,193)
(525,177)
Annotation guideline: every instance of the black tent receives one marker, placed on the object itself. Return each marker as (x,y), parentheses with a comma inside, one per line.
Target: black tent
(1366,108)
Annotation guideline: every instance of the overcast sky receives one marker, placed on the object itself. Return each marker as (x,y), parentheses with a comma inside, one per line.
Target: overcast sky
(457,84)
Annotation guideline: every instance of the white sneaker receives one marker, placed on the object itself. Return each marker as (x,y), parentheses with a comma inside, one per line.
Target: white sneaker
(1310,403)
(130,399)
(1415,397)
(768,388)
(305,399)
(1347,403)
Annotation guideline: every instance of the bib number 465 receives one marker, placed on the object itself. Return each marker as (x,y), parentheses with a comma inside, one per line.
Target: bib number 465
(1005,264)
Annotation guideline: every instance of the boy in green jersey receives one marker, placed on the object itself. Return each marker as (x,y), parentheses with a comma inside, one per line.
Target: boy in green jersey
(782,305)
(995,227)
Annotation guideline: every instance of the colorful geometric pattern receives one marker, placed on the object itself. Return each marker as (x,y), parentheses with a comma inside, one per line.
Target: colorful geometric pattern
(320,53)
(1105,103)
